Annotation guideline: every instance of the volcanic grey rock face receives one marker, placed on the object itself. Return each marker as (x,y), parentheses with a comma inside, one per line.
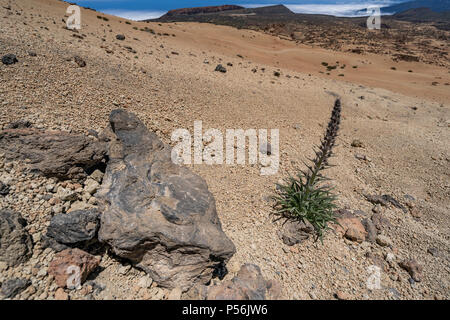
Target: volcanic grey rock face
(74,227)
(54,154)
(158,215)
(12,287)
(15,242)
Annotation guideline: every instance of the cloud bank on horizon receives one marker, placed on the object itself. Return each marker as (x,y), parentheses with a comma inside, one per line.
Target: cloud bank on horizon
(349,9)
(142,9)
(135,15)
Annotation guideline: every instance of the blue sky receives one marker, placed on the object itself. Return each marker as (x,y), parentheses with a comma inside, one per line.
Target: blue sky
(145,9)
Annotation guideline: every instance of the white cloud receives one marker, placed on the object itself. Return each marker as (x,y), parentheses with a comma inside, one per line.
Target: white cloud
(339,10)
(134,14)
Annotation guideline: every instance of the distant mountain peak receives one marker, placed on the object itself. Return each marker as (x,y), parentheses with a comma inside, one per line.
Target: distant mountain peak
(276,9)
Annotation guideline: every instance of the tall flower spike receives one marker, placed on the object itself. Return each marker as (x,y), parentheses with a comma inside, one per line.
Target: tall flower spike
(326,148)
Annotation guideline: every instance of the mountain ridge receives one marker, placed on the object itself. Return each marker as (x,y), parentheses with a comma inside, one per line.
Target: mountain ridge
(225,10)
(197,10)
(279,15)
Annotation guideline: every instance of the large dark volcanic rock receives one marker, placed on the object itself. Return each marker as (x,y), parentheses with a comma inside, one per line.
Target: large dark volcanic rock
(54,154)
(159,215)
(74,227)
(15,242)
(9,59)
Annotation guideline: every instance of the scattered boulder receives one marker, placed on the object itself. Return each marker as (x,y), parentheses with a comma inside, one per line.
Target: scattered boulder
(363,157)
(97,175)
(120,37)
(65,265)
(394,293)
(394,202)
(9,59)
(123,270)
(79,61)
(130,49)
(92,132)
(377,208)
(66,194)
(20,124)
(357,144)
(220,68)
(15,242)
(79,205)
(74,227)
(156,214)
(380,222)
(340,295)
(91,186)
(12,287)
(433,251)
(248,284)
(145,282)
(414,269)
(370,229)
(384,200)
(383,240)
(376,199)
(294,231)
(415,212)
(350,226)
(52,153)
(4,189)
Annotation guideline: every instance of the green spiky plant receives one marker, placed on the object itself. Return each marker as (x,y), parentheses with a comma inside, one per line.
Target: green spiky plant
(307,196)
